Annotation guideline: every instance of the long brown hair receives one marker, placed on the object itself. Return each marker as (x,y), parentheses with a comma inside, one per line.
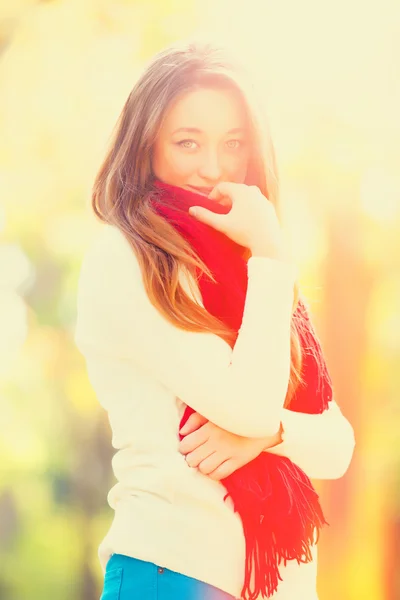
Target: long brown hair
(123,188)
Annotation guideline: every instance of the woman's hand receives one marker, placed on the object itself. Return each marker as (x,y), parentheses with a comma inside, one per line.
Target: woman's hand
(217,452)
(252,221)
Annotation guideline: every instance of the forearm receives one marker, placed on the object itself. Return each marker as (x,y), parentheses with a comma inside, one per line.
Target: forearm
(321,445)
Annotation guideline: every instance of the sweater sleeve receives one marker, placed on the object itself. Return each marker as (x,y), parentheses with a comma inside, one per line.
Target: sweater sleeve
(242,389)
(321,445)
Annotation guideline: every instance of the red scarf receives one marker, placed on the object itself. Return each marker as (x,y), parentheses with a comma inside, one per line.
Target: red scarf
(275,499)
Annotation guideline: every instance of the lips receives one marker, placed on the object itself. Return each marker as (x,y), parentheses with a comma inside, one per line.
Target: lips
(201,190)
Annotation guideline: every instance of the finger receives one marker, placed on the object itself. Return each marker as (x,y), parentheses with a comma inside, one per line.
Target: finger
(201,453)
(208,217)
(194,422)
(193,440)
(224,201)
(225,188)
(220,198)
(223,470)
(211,463)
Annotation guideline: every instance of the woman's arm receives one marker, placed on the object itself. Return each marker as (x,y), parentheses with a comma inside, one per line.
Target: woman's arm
(228,386)
(321,445)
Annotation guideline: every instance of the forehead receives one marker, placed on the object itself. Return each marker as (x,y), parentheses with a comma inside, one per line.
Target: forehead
(211,110)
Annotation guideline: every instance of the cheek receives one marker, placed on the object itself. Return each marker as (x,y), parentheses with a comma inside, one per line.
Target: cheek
(236,167)
(170,163)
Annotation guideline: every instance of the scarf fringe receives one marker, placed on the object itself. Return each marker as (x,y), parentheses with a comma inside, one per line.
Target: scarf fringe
(281,517)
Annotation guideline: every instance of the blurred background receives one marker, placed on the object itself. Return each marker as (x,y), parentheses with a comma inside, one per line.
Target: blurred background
(330,78)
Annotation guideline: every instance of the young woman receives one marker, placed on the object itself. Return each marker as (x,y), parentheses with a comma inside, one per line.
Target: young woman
(189,314)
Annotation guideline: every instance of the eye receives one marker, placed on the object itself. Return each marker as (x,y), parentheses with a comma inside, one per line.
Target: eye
(187,144)
(234,144)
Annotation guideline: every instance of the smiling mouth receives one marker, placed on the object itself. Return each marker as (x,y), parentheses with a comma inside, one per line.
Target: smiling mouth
(201,190)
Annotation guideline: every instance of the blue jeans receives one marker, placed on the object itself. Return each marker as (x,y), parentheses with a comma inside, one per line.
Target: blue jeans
(128,578)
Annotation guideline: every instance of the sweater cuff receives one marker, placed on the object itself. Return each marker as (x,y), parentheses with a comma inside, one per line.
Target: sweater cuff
(287,271)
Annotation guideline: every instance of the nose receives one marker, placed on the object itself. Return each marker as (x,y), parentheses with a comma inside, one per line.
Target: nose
(210,167)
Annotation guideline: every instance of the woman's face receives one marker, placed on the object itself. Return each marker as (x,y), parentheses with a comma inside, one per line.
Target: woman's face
(203,141)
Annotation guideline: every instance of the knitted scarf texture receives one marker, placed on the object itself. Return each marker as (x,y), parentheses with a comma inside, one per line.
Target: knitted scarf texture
(276,501)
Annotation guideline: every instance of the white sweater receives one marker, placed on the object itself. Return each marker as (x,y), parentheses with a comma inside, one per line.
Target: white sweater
(145,370)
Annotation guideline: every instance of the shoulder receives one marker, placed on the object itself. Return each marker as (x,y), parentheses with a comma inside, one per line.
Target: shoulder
(110,280)
(108,244)
(111,275)
(109,287)
(109,257)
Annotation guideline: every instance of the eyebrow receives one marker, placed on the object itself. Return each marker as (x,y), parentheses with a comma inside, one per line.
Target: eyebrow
(196,130)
